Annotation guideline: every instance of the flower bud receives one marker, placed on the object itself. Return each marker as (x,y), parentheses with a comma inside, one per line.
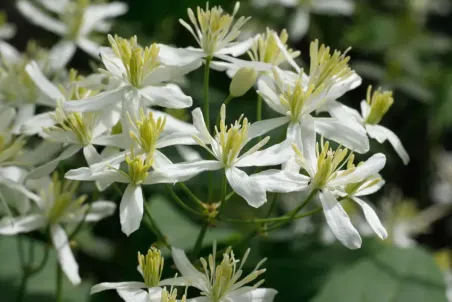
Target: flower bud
(242,81)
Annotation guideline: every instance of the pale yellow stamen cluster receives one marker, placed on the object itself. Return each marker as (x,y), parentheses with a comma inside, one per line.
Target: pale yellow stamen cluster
(329,163)
(138,167)
(61,195)
(148,131)
(171,296)
(213,28)
(74,16)
(327,68)
(379,102)
(152,266)
(224,277)
(265,48)
(139,62)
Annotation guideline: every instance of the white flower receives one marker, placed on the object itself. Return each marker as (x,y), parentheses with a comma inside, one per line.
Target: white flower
(296,96)
(137,73)
(373,110)
(76,21)
(222,283)
(299,23)
(324,173)
(226,147)
(57,206)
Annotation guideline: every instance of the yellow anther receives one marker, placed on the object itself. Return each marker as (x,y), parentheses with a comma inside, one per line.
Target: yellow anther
(213,28)
(265,48)
(139,166)
(139,62)
(379,102)
(147,131)
(61,195)
(152,266)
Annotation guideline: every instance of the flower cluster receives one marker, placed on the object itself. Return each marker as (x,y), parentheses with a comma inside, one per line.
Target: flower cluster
(118,111)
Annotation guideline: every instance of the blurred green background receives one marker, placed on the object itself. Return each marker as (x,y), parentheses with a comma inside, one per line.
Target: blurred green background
(395,44)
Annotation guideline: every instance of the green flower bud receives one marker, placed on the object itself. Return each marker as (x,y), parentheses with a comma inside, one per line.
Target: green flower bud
(242,81)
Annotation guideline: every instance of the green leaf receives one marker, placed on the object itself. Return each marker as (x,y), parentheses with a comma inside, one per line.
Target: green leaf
(180,230)
(391,275)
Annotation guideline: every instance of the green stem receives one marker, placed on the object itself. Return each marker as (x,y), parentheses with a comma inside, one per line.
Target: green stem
(154,228)
(59,284)
(181,203)
(199,241)
(192,195)
(259,108)
(224,188)
(206,91)
(22,287)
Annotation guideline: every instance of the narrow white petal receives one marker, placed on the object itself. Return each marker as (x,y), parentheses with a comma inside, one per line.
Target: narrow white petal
(98,102)
(91,155)
(116,285)
(306,142)
(55,6)
(99,12)
(134,295)
(185,171)
(48,168)
(200,125)
(188,154)
(369,168)
(334,7)
(299,24)
(42,82)
(97,211)
(281,181)
(343,86)
(172,56)
(168,96)
(185,267)
(250,294)
(250,189)
(365,109)
(90,47)
(7,116)
(173,124)
(381,134)
(344,113)
(24,113)
(237,49)
(9,53)
(262,127)
(372,218)
(339,222)
(61,54)
(131,209)
(64,253)
(286,54)
(274,155)
(17,225)
(37,17)
(175,139)
(270,96)
(347,135)
(370,189)
(117,140)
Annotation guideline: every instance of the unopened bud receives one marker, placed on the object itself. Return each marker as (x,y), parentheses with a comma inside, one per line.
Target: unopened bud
(242,81)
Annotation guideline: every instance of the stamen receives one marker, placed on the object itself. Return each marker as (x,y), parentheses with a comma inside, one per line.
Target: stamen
(148,131)
(379,102)
(152,267)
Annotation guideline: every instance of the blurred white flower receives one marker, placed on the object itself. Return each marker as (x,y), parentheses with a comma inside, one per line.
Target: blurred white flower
(226,147)
(7,30)
(325,174)
(76,21)
(299,23)
(56,206)
(221,282)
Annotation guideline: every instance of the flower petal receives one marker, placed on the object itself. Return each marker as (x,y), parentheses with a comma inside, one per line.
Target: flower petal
(131,295)
(182,57)
(96,13)
(274,155)
(250,189)
(168,96)
(251,294)
(175,139)
(97,211)
(262,127)
(334,7)
(185,171)
(48,168)
(34,125)
(61,54)
(381,134)
(37,17)
(131,209)
(17,225)
(372,218)
(42,82)
(185,267)
(270,96)
(369,168)
(237,49)
(116,285)
(281,181)
(97,102)
(64,253)
(90,47)
(370,189)
(299,24)
(200,125)
(24,113)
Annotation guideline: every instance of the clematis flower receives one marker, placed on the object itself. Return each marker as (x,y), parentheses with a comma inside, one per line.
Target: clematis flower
(76,21)
(221,282)
(137,73)
(373,110)
(56,206)
(226,148)
(296,96)
(325,174)
(151,268)
(299,23)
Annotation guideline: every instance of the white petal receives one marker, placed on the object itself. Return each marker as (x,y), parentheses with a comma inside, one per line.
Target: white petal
(61,54)
(158,177)
(88,174)
(343,86)
(90,47)
(285,52)
(250,294)
(17,225)
(185,267)
(168,96)
(274,155)
(55,6)
(25,113)
(98,210)
(116,285)
(173,124)
(281,181)
(250,189)
(98,12)
(237,49)
(131,209)
(369,168)
(137,295)
(188,154)
(200,125)
(64,253)
(37,17)
(382,134)
(48,168)
(98,102)
(7,116)
(42,82)
(370,189)
(344,113)
(365,109)
(175,139)
(91,155)
(305,138)
(9,53)
(339,222)
(340,7)
(347,135)
(20,188)
(372,218)
(185,171)
(299,24)
(160,160)
(262,127)
(270,96)
(41,153)
(179,56)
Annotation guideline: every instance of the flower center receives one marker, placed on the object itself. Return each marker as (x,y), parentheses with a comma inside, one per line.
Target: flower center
(327,68)
(214,29)
(61,194)
(139,62)
(74,16)
(138,167)
(152,267)
(380,102)
(265,48)
(147,131)
(224,277)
